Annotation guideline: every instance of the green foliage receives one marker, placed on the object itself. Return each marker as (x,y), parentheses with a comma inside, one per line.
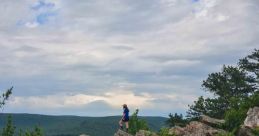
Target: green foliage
(234,118)
(176,120)
(226,134)
(36,132)
(251,64)
(9,129)
(229,87)
(256,131)
(165,132)
(136,124)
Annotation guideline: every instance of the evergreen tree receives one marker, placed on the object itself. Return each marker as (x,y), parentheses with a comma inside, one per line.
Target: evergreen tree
(176,120)
(136,124)
(230,87)
(9,129)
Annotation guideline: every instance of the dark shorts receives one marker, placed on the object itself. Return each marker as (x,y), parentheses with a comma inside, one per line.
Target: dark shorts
(125,120)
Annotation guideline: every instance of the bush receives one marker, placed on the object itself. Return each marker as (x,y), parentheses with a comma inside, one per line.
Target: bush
(256,131)
(234,118)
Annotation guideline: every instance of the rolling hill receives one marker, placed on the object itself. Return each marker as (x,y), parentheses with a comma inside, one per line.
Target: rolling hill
(74,125)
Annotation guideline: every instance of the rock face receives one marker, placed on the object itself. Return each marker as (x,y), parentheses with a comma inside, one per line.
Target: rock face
(252,119)
(209,120)
(196,128)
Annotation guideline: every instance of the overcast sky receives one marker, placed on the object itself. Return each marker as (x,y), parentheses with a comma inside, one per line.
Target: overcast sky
(88,57)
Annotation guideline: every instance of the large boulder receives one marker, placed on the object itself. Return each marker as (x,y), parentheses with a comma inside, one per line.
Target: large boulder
(196,128)
(121,133)
(252,119)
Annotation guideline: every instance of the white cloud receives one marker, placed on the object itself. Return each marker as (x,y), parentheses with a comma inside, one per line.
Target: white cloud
(114,99)
(31,24)
(166,46)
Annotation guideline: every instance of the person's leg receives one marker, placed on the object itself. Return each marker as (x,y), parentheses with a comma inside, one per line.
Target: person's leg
(121,125)
(127,126)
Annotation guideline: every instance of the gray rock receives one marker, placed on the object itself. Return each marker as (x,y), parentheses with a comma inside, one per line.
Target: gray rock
(145,133)
(252,119)
(196,128)
(245,131)
(209,120)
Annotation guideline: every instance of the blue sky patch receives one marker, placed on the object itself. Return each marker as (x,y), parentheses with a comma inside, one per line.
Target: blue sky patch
(44,17)
(195,0)
(42,4)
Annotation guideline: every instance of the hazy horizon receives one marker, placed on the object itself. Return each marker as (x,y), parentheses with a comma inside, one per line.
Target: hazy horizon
(89,57)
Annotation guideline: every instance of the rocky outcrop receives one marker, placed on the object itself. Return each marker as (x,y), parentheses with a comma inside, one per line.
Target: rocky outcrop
(204,127)
(213,121)
(196,128)
(140,133)
(252,119)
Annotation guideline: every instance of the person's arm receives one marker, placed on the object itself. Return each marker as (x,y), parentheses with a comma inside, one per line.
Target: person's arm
(123,116)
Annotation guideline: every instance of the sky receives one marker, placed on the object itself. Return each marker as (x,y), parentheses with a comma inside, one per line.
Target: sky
(88,57)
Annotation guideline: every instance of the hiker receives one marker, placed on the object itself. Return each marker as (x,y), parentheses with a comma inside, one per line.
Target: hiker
(125,117)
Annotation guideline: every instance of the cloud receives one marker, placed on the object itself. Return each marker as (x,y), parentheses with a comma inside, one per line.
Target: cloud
(157,51)
(109,101)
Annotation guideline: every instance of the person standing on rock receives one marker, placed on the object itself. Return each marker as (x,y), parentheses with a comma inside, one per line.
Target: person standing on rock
(125,117)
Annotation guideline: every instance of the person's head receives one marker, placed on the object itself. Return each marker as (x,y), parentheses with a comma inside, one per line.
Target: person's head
(125,106)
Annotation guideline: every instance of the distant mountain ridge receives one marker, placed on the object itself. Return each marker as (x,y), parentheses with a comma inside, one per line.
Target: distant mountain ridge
(74,125)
